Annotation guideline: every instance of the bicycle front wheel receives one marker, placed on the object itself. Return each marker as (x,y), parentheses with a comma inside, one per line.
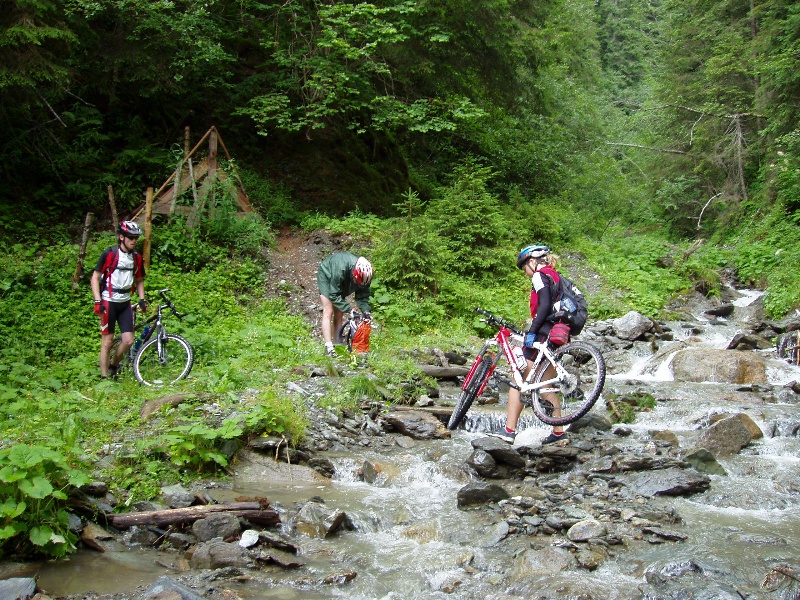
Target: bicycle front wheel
(345,335)
(480,372)
(580,380)
(165,363)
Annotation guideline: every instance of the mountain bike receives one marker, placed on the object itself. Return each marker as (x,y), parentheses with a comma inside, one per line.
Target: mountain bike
(348,329)
(157,357)
(580,373)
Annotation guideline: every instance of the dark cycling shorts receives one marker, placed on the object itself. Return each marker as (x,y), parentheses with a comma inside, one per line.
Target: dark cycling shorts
(530,353)
(116,313)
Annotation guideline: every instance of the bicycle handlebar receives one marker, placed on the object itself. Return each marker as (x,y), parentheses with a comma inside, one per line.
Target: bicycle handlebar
(170,305)
(498,322)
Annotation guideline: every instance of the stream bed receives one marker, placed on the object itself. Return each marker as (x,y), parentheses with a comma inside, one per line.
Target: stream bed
(407,538)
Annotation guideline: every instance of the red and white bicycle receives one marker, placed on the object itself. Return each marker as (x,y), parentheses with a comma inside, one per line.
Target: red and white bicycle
(562,385)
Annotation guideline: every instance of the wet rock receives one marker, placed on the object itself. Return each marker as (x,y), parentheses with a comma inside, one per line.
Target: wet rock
(317,520)
(720,366)
(141,536)
(726,437)
(165,587)
(216,525)
(583,531)
(98,489)
(745,341)
(533,564)
(98,538)
(724,310)
(216,554)
(591,420)
(477,493)
(500,451)
(705,462)
(417,425)
(666,482)
(176,496)
(370,471)
(591,557)
(494,535)
(17,587)
(667,436)
(249,538)
(486,466)
(631,326)
(323,466)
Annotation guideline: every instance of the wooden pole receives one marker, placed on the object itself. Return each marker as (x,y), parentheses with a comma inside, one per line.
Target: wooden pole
(148,226)
(186,142)
(79,272)
(114,221)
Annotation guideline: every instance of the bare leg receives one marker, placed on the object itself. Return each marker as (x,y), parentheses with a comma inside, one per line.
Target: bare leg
(125,344)
(331,321)
(106,341)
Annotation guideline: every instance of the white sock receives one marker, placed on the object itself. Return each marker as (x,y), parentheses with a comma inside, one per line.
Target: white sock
(328,346)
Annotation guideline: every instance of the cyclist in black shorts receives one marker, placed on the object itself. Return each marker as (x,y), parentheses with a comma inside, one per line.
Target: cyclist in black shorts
(118,271)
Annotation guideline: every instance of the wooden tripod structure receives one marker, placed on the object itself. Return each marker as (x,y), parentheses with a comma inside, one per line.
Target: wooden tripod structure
(199,177)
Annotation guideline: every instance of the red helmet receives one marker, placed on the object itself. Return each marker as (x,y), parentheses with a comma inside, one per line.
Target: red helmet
(129,228)
(362,272)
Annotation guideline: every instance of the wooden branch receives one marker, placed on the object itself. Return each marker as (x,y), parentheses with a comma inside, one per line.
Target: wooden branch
(148,227)
(113,204)
(79,272)
(252,511)
(692,248)
(665,150)
(700,218)
(613,408)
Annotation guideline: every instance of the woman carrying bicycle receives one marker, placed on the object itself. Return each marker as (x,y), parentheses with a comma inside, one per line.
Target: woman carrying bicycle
(540,265)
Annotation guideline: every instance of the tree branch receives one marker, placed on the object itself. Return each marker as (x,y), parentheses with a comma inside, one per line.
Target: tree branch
(666,150)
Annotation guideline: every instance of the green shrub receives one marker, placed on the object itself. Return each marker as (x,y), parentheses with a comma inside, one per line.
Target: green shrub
(35,483)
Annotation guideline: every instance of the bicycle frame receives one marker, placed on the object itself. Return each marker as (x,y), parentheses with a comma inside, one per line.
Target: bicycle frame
(503,340)
(158,328)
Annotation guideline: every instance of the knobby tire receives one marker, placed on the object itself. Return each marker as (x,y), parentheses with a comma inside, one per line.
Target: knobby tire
(345,334)
(471,389)
(149,370)
(577,394)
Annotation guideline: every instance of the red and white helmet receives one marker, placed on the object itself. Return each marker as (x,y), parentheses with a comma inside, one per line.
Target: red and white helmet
(362,272)
(129,228)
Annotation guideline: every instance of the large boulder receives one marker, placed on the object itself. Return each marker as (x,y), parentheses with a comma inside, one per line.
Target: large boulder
(720,366)
(632,326)
(729,435)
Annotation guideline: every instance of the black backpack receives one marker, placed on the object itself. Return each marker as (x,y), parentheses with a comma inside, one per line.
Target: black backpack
(573,310)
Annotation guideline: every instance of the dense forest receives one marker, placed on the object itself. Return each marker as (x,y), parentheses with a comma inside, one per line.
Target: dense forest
(656,140)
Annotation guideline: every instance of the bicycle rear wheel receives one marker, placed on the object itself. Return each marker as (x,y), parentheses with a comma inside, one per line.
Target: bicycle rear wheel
(580,384)
(476,381)
(164,365)
(345,334)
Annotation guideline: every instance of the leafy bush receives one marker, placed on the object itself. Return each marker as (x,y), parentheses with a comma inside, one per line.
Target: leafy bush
(35,482)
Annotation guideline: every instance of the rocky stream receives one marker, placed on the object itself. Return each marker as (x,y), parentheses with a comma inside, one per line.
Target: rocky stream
(698,497)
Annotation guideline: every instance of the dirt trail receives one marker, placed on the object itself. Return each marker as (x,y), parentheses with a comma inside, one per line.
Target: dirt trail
(292,271)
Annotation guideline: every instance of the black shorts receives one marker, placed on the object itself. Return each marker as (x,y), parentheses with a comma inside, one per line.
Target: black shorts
(116,313)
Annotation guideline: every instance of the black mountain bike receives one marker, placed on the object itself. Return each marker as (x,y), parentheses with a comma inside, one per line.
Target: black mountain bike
(157,357)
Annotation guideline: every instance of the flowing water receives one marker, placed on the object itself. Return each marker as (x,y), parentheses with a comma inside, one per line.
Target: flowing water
(409,539)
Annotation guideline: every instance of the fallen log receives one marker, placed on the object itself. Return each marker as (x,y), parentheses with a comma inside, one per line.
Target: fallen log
(450,372)
(252,511)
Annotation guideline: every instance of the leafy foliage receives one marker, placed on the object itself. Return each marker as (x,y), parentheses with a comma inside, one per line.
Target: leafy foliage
(35,482)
